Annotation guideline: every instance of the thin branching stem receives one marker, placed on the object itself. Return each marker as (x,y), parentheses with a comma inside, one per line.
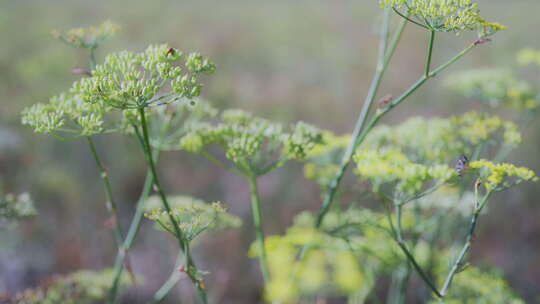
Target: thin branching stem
(147,148)
(408,254)
(385,55)
(257,222)
(112,207)
(430,52)
(458,263)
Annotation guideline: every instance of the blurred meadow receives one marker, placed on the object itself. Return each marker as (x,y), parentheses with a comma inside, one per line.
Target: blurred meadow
(284,60)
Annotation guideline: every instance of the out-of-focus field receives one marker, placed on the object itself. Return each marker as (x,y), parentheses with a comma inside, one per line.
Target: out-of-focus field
(285,60)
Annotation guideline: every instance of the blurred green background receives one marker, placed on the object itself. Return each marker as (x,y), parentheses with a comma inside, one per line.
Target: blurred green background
(285,60)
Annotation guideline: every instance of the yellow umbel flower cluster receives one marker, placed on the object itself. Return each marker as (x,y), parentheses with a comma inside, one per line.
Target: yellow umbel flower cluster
(498,177)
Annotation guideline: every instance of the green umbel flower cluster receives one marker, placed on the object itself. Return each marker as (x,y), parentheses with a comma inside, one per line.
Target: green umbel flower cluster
(444,15)
(499,177)
(87,38)
(252,143)
(192,215)
(88,108)
(67,114)
(14,208)
(81,287)
(384,167)
(495,88)
(480,287)
(159,75)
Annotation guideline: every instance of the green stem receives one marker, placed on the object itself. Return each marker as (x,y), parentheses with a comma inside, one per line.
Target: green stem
(132,232)
(467,246)
(430,52)
(257,222)
(92,59)
(408,254)
(164,290)
(112,207)
(385,55)
(147,148)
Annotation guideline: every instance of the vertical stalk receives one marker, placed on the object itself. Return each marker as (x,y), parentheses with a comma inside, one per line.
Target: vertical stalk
(257,222)
(111,203)
(430,52)
(147,148)
(385,55)
(169,284)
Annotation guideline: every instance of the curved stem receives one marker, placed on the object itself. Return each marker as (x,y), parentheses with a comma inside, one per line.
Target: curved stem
(169,284)
(178,234)
(467,246)
(257,222)
(385,55)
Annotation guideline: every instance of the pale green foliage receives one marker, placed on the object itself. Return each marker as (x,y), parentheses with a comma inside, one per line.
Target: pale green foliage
(15,207)
(192,215)
(448,199)
(529,56)
(88,38)
(81,287)
(328,265)
(480,287)
(502,176)
(252,143)
(495,87)
(445,15)
(159,75)
(322,161)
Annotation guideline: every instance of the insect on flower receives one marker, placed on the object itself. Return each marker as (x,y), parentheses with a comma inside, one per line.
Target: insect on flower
(462,164)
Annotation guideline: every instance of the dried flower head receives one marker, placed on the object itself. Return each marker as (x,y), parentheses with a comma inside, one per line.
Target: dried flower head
(88,38)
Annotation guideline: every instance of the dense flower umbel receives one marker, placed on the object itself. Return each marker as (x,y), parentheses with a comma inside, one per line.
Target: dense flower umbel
(88,38)
(391,167)
(252,143)
(418,142)
(501,176)
(496,88)
(444,15)
(157,76)
(192,215)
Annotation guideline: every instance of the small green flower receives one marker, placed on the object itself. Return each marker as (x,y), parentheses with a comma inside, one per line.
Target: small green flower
(253,144)
(444,15)
(192,215)
(156,76)
(87,38)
